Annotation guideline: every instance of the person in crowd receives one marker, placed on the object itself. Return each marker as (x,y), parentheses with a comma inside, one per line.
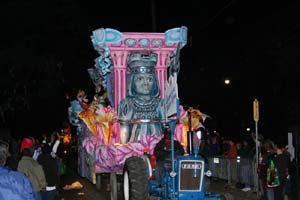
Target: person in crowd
(31,168)
(213,150)
(246,158)
(224,146)
(57,152)
(267,154)
(162,151)
(13,185)
(281,161)
(232,151)
(231,154)
(287,190)
(214,147)
(51,172)
(37,149)
(13,159)
(55,144)
(44,139)
(26,143)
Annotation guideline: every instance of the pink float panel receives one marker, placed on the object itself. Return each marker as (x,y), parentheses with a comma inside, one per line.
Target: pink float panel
(120,53)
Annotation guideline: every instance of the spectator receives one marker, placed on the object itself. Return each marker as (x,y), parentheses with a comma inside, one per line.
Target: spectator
(51,172)
(56,152)
(26,143)
(246,158)
(232,156)
(267,154)
(213,150)
(13,185)
(37,150)
(214,147)
(12,160)
(281,161)
(43,139)
(31,168)
(55,144)
(232,151)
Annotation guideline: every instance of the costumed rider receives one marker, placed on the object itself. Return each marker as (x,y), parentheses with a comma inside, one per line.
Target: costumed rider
(142,111)
(82,99)
(195,119)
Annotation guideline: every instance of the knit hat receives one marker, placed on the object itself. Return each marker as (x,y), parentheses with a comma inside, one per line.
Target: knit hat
(26,144)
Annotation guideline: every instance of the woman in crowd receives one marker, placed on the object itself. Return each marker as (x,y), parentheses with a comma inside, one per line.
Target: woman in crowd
(31,168)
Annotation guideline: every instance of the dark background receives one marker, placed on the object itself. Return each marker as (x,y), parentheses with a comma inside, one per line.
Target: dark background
(46,49)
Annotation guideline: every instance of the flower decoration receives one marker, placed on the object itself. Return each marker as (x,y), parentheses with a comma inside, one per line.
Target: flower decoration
(104,118)
(197,119)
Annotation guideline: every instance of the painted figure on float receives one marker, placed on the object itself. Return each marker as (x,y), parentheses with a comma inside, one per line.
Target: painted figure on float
(142,111)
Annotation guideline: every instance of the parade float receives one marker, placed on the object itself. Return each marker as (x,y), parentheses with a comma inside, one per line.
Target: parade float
(136,97)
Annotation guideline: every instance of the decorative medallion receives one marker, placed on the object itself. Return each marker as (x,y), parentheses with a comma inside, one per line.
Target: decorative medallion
(144,42)
(130,42)
(156,42)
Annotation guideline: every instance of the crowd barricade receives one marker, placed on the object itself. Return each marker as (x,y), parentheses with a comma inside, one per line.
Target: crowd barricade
(233,170)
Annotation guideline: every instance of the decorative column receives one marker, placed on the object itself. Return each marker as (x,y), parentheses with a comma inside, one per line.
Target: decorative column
(161,70)
(120,70)
(120,45)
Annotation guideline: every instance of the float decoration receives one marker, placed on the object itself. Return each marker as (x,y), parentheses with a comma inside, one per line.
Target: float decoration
(99,132)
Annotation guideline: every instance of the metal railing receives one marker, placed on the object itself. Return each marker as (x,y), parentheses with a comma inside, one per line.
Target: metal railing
(233,170)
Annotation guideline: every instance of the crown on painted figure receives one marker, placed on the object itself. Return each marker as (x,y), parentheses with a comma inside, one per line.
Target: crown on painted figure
(142,62)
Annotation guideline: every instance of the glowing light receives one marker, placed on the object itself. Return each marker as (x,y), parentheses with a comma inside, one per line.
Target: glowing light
(227,81)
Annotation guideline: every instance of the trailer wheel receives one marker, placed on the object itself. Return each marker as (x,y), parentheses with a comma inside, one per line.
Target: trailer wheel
(98,181)
(135,179)
(113,186)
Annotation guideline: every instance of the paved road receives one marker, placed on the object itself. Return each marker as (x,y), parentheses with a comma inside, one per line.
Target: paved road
(230,192)
(89,191)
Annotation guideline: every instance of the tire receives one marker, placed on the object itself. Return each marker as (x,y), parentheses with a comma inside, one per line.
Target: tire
(98,181)
(113,186)
(148,165)
(135,178)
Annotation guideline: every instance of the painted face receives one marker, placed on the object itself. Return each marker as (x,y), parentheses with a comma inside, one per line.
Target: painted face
(144,83)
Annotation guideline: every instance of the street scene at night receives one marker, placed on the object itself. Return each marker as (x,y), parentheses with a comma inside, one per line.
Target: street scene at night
(137,100)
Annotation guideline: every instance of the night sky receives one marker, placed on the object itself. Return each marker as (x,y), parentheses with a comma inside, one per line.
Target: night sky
(46,49)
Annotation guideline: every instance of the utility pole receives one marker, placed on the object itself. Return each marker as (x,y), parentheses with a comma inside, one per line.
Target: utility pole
(153,16)
(256,118)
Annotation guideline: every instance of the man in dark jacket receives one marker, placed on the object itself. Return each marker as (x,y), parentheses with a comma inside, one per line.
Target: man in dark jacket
(13,185)
(51,173)
(281,160)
